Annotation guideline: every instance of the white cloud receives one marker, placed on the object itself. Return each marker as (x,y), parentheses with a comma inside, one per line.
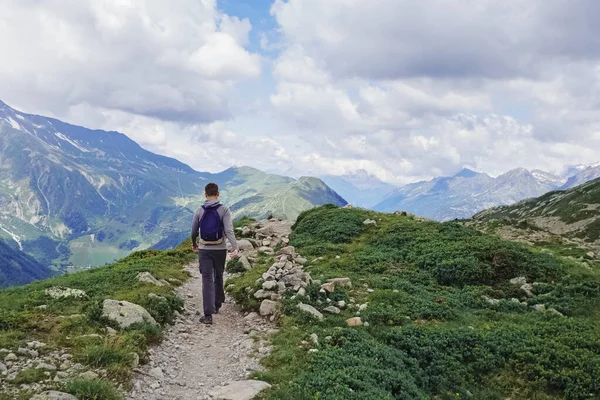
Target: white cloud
(175,60)
(409,90)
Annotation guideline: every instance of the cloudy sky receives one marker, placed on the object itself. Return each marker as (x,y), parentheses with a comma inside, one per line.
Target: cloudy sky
(403,89)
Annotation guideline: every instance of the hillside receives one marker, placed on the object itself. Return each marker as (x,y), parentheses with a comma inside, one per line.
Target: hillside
(570,216)
(89,197)
(18,268)
(467,192)
(432,311)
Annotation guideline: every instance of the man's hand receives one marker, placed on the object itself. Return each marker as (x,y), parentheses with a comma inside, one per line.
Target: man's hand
(195,248)
(234,254)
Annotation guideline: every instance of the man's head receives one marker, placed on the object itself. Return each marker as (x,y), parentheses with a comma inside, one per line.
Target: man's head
(211,191)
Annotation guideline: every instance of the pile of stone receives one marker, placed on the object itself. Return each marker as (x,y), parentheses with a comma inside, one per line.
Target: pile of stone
(55,365)
(286,274)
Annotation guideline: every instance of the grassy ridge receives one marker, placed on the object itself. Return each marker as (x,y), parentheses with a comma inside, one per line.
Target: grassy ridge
(431,334)
(64,322)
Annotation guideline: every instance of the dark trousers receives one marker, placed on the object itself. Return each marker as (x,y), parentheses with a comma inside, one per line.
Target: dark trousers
(212,266)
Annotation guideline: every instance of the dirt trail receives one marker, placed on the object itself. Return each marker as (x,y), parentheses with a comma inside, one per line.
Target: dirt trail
(195,360)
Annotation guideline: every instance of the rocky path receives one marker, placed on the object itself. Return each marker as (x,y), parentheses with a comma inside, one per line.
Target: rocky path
(197,361)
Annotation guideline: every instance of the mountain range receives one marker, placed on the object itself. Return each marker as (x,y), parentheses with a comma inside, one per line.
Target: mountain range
(75,196)
(468,192)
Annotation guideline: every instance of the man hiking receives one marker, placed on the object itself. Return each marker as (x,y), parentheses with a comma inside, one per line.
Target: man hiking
(212,223)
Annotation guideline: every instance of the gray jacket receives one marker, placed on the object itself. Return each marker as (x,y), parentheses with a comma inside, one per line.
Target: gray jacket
(227,227)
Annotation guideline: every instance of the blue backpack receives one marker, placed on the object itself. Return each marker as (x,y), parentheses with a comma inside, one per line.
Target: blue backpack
(211,226)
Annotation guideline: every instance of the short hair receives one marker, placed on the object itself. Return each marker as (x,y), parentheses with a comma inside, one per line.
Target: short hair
(212,189)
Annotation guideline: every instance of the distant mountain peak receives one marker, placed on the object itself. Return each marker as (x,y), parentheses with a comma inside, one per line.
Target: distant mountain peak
(466,173)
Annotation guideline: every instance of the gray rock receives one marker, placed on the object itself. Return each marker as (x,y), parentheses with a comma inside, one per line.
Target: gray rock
(57,292)
(261,294)
(53,395)
(288,250)
(268,307)
(527,288)
(157,374)
(301,292)
(491,301)
(27,352)
(125,313)
(11,357)
(539,307)
(42,307)
(311,310)
(520,281)
(46,367)
(88,375)
(332,310)
(3,368)
(369,222)
(240,390)
(301,260)
(35,345)
(315,338)
(111,331)
(266,250)
(269,285)
(341,304)
(148,278)
(245,245)
(245,263)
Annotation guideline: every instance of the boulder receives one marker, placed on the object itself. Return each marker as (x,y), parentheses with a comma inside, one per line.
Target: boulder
(125,313)
(268,307)
(527,288)
(240,390)
(245,245)
(343,282)
(311,310)
(329,286)
(53,395)
(521,280)
(356,321)
(245,263)
(148,278)
(490,300)
(301,260)
(332,310)
(57,292)
(539,307)
(287,250)
(266,250)
(269,285)
(11,357)
(261,294)
(369,222)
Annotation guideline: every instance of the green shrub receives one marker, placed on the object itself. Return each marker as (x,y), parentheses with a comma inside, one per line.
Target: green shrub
(29,375)
(234,265)
(93,389)
(104,355)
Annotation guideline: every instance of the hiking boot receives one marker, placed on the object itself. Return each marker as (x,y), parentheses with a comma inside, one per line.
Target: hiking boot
(217,308)
(206,319)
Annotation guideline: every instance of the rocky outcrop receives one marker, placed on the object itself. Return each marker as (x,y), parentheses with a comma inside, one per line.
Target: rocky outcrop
(57,292)
(148,278)
(125,313)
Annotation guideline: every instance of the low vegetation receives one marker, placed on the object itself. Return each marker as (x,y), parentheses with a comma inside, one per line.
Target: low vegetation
(76,326)
(443,319)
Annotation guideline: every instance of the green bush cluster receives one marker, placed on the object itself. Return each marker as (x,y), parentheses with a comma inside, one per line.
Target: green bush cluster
(431,333)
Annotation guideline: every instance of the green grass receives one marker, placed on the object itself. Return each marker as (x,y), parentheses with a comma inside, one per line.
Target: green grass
(431,334)
(29,376)
(22,320)
(94,389)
